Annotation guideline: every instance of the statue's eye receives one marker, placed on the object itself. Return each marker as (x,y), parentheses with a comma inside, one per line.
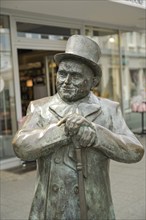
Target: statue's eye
(76,75)
(63,74)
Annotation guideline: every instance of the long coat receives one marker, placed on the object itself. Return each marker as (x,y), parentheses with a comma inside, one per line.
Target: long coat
(56,193)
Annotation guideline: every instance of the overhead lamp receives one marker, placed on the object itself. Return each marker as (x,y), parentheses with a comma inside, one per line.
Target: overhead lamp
(29,83)
(52,65)
(111,39)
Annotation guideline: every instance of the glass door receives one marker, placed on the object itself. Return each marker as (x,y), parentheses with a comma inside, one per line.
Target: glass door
(37,74)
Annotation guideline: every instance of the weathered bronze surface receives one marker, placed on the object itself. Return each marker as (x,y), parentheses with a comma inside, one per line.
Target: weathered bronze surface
(73,135)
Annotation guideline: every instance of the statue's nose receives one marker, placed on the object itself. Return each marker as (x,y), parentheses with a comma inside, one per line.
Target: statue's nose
(68,79)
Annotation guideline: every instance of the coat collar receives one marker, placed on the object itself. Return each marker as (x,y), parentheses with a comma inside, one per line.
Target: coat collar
(86,107)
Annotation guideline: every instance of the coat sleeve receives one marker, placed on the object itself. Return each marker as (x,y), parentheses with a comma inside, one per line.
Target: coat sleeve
(33,141)
(118,143)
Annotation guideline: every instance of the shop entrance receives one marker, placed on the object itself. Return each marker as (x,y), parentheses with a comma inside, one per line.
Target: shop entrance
(37,74)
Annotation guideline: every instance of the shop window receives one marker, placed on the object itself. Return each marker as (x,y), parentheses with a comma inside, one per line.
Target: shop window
(37,31)
(7,99)
(133,63)
(109,62)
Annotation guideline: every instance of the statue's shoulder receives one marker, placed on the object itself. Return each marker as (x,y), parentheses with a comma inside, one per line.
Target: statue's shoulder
(37,105)
(109,104)
(42,101)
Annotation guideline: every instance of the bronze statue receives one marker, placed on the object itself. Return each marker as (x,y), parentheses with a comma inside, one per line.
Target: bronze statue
(73,135)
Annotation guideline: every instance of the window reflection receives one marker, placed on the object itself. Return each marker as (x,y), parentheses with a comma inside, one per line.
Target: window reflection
(36,31)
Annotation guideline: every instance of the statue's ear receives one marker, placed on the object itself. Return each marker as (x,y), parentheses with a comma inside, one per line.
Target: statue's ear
(96,81)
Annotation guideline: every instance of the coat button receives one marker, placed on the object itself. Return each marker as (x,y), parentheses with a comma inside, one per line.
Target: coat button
(57,160)
(76,189)
(55,187)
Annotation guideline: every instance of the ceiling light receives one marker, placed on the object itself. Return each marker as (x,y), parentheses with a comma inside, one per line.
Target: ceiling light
(111,39)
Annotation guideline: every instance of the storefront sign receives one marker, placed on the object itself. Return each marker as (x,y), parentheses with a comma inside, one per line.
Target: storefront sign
(135,3)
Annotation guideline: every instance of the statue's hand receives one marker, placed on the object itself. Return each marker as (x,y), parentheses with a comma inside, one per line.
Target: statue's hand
(82,130)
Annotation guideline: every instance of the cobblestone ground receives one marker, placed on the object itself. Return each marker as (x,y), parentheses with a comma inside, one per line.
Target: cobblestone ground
(127,184)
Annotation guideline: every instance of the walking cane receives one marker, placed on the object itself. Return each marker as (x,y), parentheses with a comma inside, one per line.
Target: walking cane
(82,198)
(79,165)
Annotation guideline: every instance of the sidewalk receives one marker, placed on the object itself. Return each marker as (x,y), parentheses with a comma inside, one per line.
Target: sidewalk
(127,184)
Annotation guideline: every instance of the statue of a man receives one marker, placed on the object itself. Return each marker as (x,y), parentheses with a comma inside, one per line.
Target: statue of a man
(75,119)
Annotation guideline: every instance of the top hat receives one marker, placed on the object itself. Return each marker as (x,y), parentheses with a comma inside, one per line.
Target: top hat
(82,48)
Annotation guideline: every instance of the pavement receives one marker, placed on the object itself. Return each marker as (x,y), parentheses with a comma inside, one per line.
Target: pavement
(127,184)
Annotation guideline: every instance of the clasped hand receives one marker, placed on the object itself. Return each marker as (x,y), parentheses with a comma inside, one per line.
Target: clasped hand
(79,128)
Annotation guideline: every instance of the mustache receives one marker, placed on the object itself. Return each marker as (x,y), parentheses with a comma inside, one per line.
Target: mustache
(67,87)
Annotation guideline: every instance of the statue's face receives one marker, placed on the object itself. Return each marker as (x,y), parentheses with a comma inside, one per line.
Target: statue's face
(74,80)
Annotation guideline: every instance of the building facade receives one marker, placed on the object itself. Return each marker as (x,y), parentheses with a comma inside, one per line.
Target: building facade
(29,40)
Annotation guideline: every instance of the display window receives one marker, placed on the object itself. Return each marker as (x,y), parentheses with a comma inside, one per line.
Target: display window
(110,61)
(7,97)
(133,67)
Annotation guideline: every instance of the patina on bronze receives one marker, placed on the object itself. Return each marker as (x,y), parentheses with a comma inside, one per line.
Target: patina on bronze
(75,124)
